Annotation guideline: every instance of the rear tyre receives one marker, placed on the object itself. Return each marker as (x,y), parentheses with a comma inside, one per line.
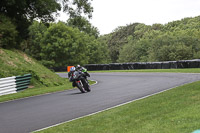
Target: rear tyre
(86,85)
(88,89)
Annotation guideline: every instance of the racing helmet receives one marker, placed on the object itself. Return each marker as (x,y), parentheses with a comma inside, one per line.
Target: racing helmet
(78,66)
(72,69)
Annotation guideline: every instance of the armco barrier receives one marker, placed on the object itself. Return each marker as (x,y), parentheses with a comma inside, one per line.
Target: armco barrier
(145,65)
(13,84)
(139,65)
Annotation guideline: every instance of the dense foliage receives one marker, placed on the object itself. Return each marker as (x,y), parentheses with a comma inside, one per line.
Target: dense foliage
(177,40)
(23,12)
(8,32)
(61,45)
(28,26)
(83,25)
(119,38)
(78,42)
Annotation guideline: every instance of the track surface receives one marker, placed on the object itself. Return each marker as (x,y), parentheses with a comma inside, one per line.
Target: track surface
(38,112)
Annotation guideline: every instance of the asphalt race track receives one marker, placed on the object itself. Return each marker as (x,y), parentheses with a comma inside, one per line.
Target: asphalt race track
(112,89)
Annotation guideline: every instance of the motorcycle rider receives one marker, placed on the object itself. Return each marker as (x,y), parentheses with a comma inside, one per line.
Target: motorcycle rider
(84,70)
(79,69)
(72,69)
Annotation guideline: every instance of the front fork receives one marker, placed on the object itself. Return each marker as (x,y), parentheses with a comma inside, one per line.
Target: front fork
(79,82)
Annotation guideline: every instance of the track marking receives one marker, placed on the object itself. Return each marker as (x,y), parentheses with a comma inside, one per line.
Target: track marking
(111,107)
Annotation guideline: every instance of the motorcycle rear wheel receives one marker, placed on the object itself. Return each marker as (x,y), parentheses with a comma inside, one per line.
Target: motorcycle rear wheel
(88,88)
(86,85)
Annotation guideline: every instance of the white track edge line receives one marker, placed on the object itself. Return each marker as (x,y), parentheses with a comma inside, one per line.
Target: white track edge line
(111,107)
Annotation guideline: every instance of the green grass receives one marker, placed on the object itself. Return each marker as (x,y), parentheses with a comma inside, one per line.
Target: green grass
(14,62)
(174,111)
(37,91)
(186,70)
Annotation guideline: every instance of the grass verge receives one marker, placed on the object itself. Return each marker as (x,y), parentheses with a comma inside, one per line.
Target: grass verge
(185,70)
(14,62)
(174,111)
(37,91)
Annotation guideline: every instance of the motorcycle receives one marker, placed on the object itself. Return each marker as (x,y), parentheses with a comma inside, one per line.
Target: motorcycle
(80,81)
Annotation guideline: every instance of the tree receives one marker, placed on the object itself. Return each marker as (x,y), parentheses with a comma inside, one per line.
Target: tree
(103,46)
(177,40)
(98,51)
(83,25)
(118,39)
(8,32)
(77,7)
(174,52)
(175,45)
(33,45)
(134,51)
(62,45)
(140,30)
(23,12)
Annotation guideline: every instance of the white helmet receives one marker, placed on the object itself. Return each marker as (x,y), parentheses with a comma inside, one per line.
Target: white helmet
(72,69)
(78,66)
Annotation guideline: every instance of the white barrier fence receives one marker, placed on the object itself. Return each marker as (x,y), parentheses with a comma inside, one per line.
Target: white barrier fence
(13,84)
